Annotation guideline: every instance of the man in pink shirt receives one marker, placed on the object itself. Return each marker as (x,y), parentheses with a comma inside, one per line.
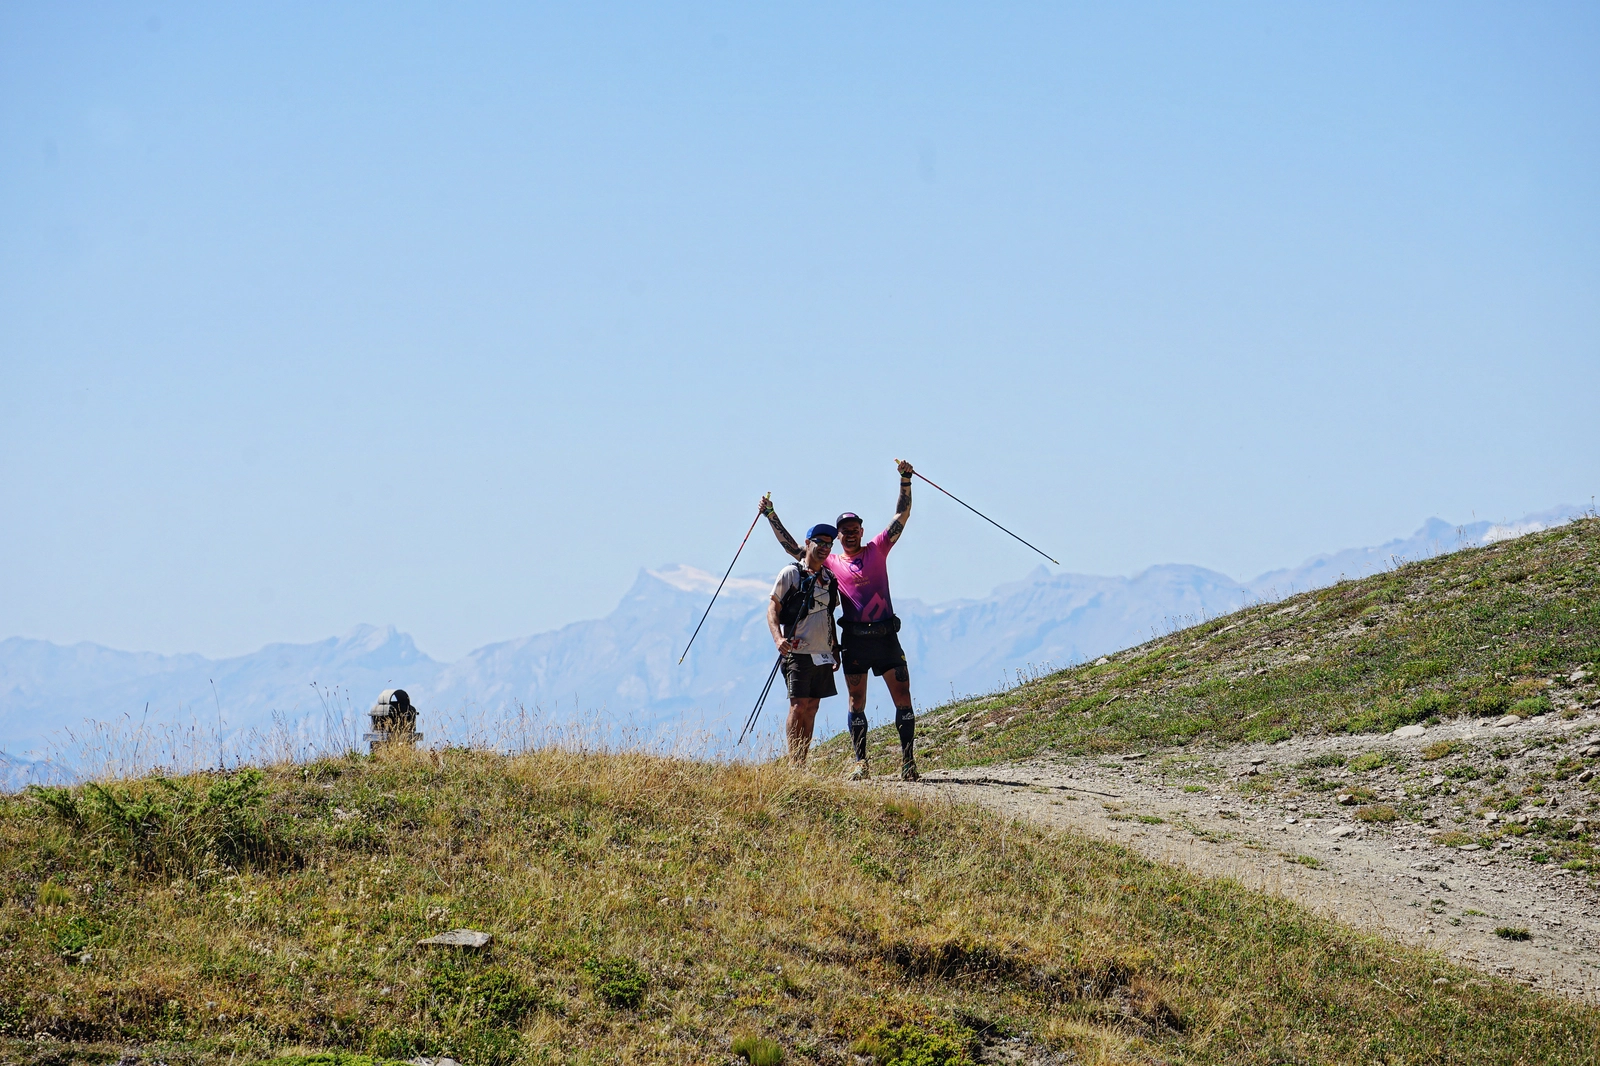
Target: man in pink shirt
(869,629)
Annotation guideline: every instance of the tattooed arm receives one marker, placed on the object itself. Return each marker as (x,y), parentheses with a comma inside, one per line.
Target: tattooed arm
(902,507)
(785,541)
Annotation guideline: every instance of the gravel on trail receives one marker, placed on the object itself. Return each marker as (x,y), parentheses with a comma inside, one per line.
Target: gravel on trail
(1307,819)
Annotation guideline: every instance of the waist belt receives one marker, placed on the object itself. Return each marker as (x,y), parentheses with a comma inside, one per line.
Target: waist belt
(886,628)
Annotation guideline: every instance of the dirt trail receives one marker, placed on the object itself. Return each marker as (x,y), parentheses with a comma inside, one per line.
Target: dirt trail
(1306,846)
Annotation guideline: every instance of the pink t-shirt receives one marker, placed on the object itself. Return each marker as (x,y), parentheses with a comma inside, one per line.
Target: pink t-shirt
(864,581)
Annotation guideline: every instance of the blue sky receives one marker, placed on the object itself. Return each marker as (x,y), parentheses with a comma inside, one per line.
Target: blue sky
(454,316)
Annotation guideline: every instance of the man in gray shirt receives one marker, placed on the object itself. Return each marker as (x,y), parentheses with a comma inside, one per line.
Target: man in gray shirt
(800,617)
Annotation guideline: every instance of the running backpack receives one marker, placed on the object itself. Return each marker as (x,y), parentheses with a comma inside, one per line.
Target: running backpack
(798,601)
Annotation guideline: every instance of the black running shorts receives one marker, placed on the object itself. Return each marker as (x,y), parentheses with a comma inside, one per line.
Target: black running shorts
(807,680)
(880,653)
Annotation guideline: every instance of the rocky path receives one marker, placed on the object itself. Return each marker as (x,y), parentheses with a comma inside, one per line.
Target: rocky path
(1290,819)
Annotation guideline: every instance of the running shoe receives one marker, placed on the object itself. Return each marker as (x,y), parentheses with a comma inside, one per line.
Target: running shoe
(908,771)
(861,772)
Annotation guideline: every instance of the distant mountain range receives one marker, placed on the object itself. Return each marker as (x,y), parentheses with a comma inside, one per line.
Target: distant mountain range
(617,672)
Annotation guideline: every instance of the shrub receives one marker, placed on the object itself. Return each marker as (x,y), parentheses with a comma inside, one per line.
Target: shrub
(169,826)
(1490,702)
(1508,932)
(75,936)
(1430,704)
(620,982)
(1378,812)
(494,996)
(944,1044)
(1533,705)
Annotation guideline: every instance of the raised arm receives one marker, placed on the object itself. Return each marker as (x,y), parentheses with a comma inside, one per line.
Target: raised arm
(785,541)
(902,507)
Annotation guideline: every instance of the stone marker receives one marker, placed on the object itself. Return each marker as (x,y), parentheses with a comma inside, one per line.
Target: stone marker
(458,938)
(1410,731)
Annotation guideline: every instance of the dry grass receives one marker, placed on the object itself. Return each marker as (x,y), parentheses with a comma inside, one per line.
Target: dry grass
(650,909)
(1481,632)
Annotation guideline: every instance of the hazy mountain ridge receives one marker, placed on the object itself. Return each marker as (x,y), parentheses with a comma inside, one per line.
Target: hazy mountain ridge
(626,664)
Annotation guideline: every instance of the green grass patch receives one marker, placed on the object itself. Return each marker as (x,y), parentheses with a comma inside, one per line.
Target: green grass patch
(758,1050)
(1529,707)
(945,1044)
(1508,932)
(1373,760)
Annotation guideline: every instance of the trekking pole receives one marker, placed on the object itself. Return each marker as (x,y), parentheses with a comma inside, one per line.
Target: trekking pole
(724,581)
(981,515)
(751,721)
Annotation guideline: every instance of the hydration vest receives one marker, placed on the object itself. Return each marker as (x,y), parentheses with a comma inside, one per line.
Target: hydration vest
(798,601)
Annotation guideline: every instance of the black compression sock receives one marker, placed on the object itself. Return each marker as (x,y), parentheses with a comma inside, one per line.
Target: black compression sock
(905,723)
(858,734)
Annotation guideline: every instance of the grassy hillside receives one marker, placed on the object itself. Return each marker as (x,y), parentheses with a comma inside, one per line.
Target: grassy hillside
(653,910)
(1485,632)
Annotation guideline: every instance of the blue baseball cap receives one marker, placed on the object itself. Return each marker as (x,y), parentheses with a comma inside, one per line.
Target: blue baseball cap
(821,529)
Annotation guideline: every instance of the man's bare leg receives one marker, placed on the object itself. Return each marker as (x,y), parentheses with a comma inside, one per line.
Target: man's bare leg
(802,720)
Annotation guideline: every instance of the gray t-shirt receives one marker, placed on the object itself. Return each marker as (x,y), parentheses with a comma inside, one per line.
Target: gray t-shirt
(815,631)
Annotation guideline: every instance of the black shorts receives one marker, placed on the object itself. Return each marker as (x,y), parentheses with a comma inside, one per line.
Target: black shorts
(807,680)
(880,653)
